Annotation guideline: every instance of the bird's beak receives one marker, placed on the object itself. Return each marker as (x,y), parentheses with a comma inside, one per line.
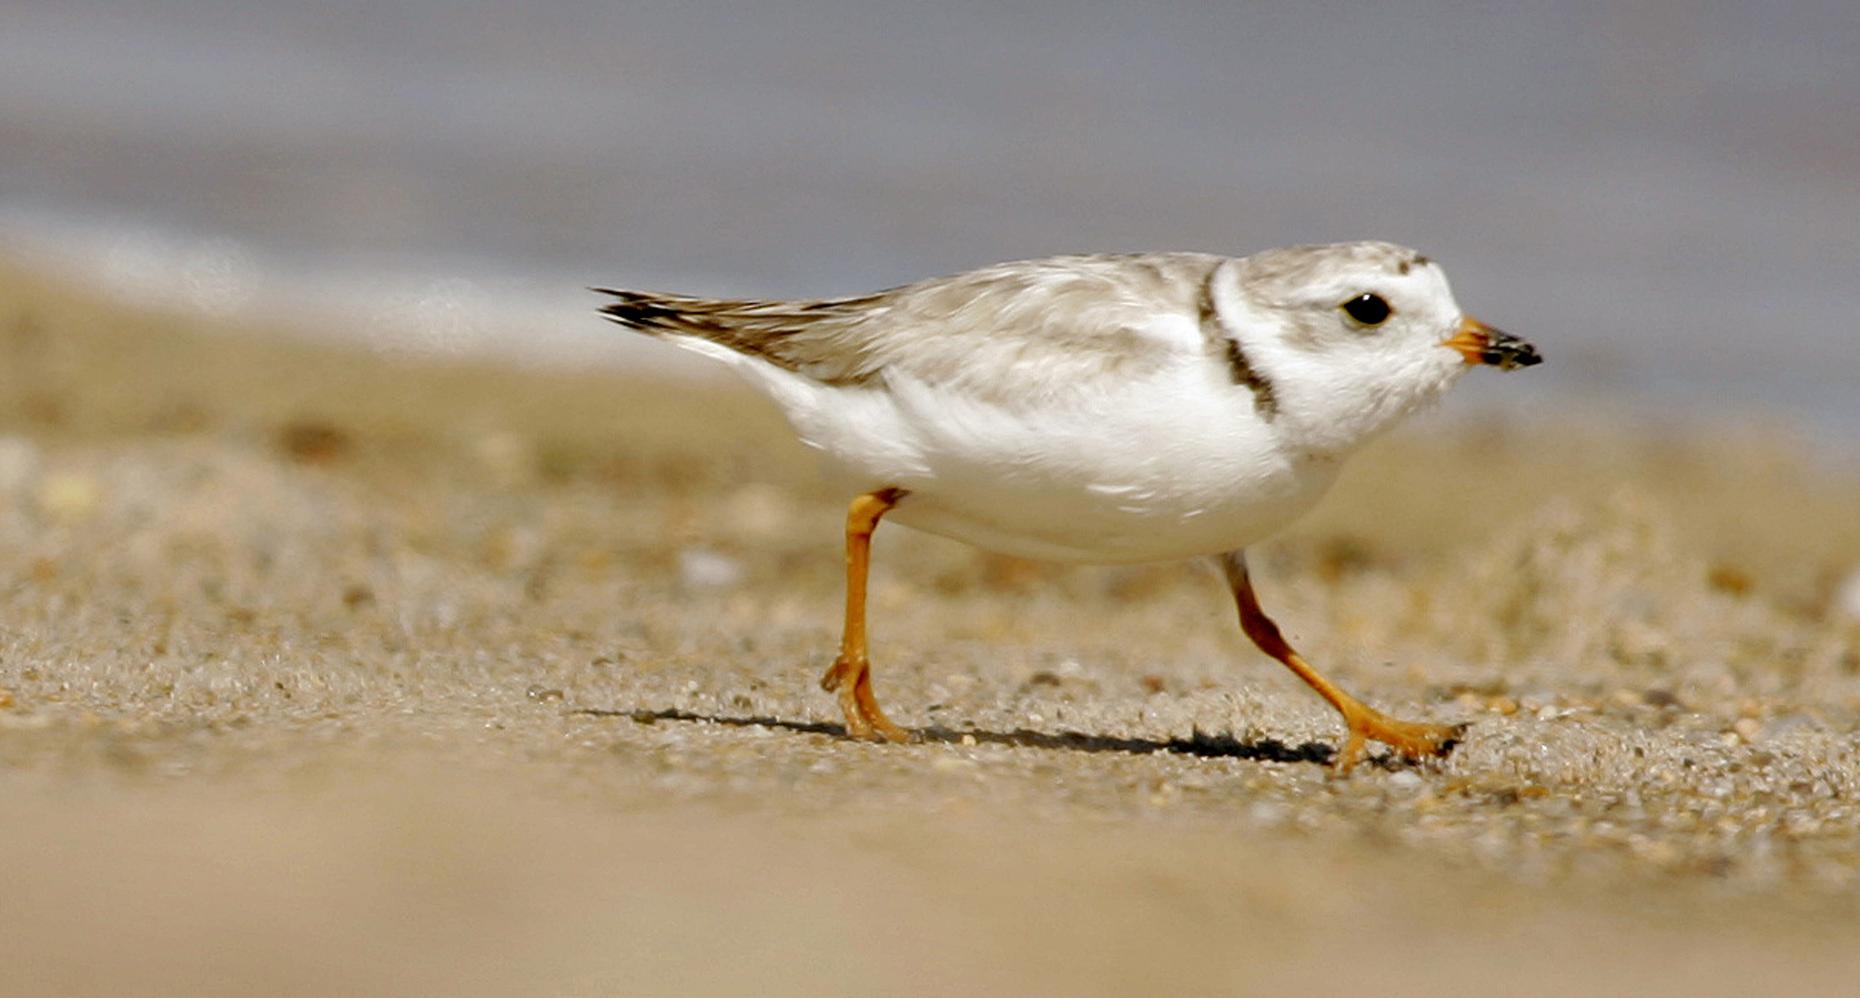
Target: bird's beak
(1481,344)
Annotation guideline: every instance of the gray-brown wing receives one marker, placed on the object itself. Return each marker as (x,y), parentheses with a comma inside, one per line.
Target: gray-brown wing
(1011,329)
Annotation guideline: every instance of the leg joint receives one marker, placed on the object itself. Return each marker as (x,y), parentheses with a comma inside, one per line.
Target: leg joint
(863,516)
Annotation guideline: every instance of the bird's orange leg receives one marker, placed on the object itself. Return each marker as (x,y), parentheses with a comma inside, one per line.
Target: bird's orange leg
(1412,740)
(851,673)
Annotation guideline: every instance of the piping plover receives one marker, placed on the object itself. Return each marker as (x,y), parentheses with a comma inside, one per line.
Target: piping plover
(1102,409)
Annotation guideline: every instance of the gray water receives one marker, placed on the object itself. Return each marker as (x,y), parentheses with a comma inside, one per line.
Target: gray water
(1665,196)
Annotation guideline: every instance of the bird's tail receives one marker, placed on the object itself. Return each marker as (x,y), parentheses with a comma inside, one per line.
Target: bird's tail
(822,338)
(657,314)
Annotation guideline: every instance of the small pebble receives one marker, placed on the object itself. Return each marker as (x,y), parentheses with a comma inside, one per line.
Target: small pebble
(1847,597)
(69,496)
(1657,697)
(760,510)
(313,441)
(19,463)
(507,457)
(1730,579)
(700,568)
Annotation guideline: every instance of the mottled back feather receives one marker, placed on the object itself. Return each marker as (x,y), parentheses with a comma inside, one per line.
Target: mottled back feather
(1031,327)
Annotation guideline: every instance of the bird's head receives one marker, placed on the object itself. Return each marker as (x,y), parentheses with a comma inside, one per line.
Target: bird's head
(1356,335)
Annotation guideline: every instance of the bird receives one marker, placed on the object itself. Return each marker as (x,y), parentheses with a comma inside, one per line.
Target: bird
(1102,409)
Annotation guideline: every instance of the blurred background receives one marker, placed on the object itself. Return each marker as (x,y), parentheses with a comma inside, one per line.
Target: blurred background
(1665,196)
(337,671)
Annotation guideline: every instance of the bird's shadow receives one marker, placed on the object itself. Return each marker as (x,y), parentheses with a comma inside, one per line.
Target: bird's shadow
(1202,744)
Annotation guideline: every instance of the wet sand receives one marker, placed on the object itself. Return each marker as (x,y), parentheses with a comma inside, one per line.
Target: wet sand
(327,672)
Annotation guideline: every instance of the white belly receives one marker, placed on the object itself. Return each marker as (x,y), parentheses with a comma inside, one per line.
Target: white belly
(1036,526)
(1168,468)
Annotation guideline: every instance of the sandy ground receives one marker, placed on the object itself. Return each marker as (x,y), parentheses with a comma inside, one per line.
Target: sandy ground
(333,673)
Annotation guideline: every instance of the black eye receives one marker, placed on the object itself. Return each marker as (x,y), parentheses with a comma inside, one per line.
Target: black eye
(1368,309)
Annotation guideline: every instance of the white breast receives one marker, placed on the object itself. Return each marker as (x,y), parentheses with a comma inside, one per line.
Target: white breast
(1174,465)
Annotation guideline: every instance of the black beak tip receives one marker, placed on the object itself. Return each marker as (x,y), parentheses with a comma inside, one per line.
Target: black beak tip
(1508,353)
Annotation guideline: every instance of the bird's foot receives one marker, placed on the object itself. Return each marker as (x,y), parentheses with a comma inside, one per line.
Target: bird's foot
(1411,740)
(851,678)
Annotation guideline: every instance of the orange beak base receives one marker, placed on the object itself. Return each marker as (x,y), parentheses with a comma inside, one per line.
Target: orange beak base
(1481,344)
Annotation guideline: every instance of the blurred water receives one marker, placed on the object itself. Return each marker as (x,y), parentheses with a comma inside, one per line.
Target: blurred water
(1666,196)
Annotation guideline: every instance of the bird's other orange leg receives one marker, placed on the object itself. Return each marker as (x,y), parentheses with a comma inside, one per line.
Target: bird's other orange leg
(851,673)
(1412,740)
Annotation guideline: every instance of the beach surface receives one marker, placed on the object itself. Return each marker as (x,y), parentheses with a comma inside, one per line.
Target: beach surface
(329,671)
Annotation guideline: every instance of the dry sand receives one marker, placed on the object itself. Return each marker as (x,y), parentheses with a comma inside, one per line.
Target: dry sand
(325,672)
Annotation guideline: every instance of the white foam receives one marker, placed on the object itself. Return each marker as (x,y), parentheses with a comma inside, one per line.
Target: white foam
(440,309)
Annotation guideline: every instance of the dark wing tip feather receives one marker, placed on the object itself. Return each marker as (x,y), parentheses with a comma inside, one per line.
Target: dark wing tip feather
(646,312)
(796,336)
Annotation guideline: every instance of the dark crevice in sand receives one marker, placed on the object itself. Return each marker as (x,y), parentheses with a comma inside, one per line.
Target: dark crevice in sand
(1201,743)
